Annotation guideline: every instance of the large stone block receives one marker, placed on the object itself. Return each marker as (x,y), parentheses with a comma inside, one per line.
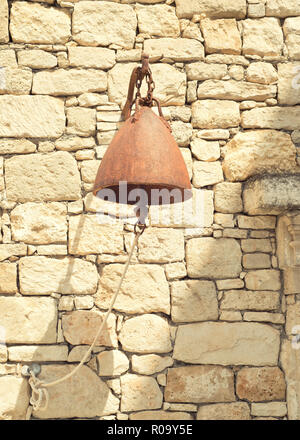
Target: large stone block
(36,59)
(288,92)
(144,290)
(91,57)
(28,320)
(34,23)
(8,250)
(211,113)
(221,36)
(250,300)
(202,71)
(260,384)
(289,358)
(258,152)
(43,276)
(212,8)
(69,82)
(39,223)
(282,8)
(112,363)
(227,344)
(14,392)
(16,146)
(200,384)
(158,21)
(262,73)
(38,353)
(15,81)
(84,395)
(150,363)
(208,257)
(158,245)
(262,37)
(41,178)
(279,118)
(81,121)
(4,36)
(207,173)
(31,116)
(224,411)
(104,23)
(8,278)
(235,90)
(140,392)
(228,197)
(264,279)
(184,50)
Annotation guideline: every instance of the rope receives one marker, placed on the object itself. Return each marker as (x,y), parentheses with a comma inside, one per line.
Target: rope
(39,388)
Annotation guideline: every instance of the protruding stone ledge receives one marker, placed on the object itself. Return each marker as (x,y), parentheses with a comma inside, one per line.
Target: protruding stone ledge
(272,194)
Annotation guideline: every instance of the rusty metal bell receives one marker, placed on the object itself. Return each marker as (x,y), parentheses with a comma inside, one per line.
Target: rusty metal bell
(143,154)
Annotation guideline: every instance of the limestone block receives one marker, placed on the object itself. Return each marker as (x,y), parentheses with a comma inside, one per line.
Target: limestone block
(257,152)
(12,250)
(260,384)
(289,358)
(146,334)
(74,143)
(224,343)
(150,363)
(224,411)
(39,177)
(292,318)
(69,82)
(38,353)
(158,21)
(257,222)
(235,90)
(228,197)
(275,409)
(4,36)
(36,59)
(81,121)
(15,81)
(80,328)
(83,395)
(207,173)
(256,261)
(262,36)
(275,318)
(8,278)
(43,276)
(140,392)
(39,223)
(98,24)
(179,50)
(288,92)
(34,23)
(211,113)
(256,245)
(193,300)
(144,290)
(160,415)
(16,401)
(208,257)
(204,150)
(182,133)
(200,384)
(158,245)
(262,73)
(286,118)
(112,363)
(265,279)
(28,320)
(8,58)
(16,146)
(281,8)
(212,8)
(202,71)
(221,36)
(91,57)
(250,300)
(31,116)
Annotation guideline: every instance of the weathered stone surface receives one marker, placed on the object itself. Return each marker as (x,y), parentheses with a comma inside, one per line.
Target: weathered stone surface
(89,170)
(28,320)
(212,8)
(184,50)
(235,90)
(8,278)
(262,36)
(150,363)
(286,118)
(275,318)
(281,8)
(193,300)
(4,36)
(202,71)
(289,358)
(207,173)
(262,73)
(227,343)
(292,318)
(74,143)
(221,36)
(224,411)
(146,334)
(8,58)
(205,150)
(228,197)
(41,178)
(170,89)
(88,236)
(81,121)
(160,415)
(16,146)
(83,395)
(158,21)
(256,261)
(34,23)
(199,384)
(272,194)
(15,403)
(36,59)
(43,276)
(31,116)
(15,81)
(182,133)
(265,279)
(80,328)
(275,409)
(211,113)
(256,245)
(211,258)
(158,245)
(98,24)
(95,57)
(260,384)
(112,363)
(38,353)
(257,222)
(39,223)
(140,392)
(68,82)
(250,300)
(288,92)
(292,43)
(257,152)
(10,250)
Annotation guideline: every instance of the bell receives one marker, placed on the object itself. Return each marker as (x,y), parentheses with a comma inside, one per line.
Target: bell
(143,157)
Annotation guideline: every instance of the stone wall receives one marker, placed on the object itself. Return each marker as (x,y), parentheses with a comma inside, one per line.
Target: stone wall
(199,330)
